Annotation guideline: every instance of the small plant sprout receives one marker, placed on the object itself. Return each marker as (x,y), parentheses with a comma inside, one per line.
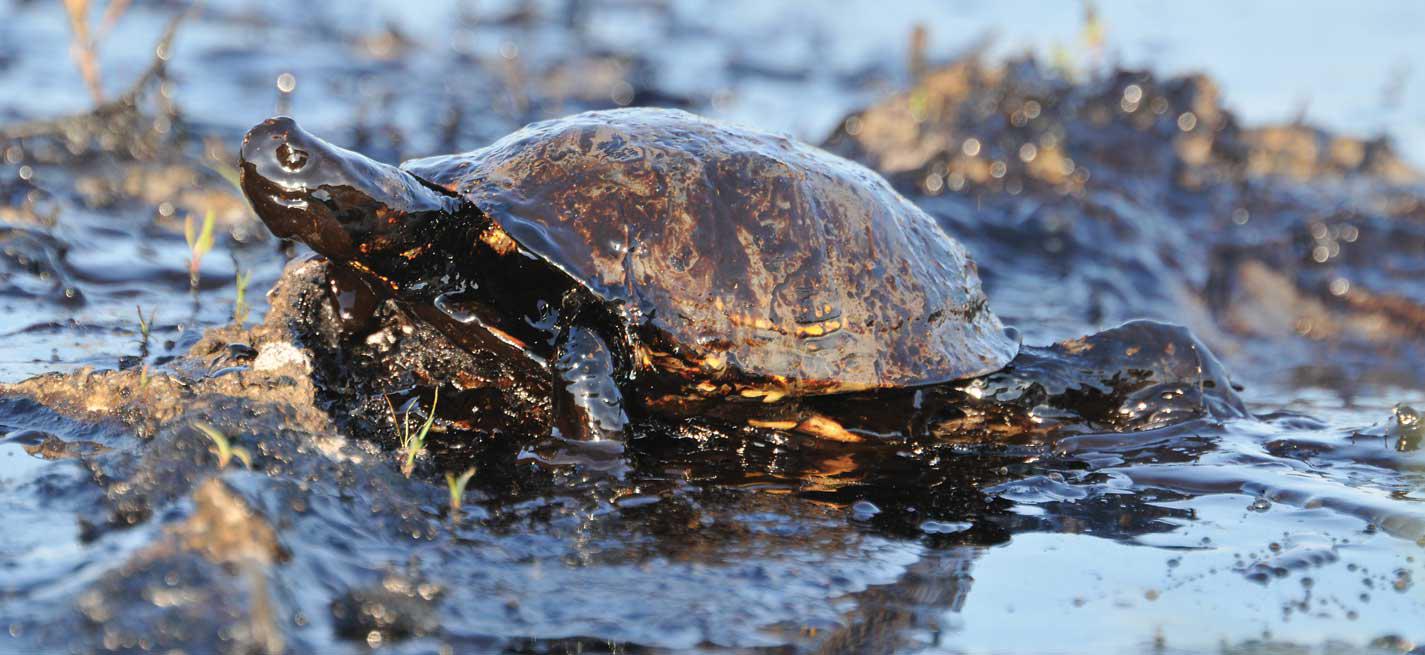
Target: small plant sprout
(1093,34)
(145,327)
(457,489)
(240,308)
(226,450)
(143,376)
(413,443)
(200,241)
(84,40)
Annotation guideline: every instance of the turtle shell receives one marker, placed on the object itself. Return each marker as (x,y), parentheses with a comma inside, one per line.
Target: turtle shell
(741,252)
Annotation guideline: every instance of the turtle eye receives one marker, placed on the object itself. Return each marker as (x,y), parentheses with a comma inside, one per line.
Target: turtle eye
(291,159)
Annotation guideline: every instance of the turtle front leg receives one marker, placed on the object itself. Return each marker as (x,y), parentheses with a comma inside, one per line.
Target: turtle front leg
(588,405)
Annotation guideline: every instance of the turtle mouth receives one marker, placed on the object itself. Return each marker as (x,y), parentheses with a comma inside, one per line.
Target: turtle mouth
(289,196)
(293,194)
(291,208)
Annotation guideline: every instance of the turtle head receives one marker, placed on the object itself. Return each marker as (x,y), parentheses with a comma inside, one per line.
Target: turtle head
(341,203)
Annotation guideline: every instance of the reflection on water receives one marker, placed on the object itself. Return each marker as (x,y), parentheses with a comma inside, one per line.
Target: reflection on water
(1207,528)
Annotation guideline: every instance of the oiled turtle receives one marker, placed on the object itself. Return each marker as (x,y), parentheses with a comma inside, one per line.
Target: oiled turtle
(649,256)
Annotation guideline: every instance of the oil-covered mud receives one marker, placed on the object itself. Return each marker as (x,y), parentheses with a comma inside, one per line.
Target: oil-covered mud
(1250,481)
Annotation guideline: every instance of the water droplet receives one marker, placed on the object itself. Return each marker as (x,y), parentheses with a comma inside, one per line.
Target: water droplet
(1187,121)
(621,93)
(955,181)
(933,183)
(286,82)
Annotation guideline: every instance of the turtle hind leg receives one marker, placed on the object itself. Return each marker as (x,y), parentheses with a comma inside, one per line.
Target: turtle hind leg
(588,405)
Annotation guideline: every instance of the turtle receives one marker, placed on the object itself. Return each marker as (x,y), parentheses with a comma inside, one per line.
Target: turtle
(650,261)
